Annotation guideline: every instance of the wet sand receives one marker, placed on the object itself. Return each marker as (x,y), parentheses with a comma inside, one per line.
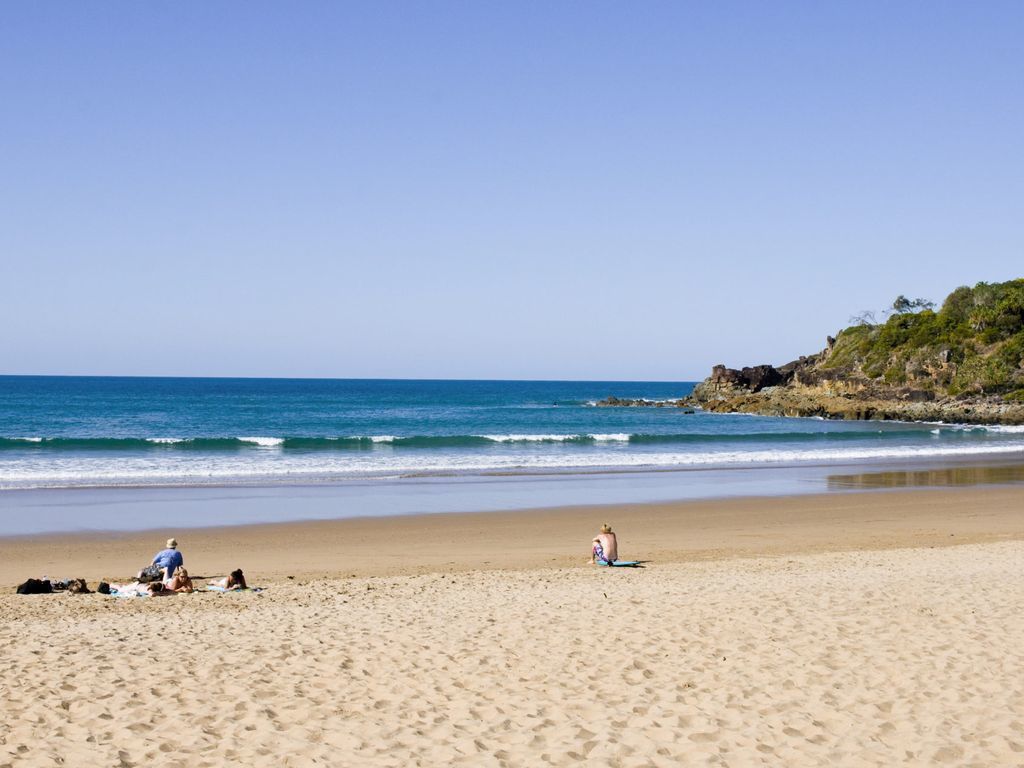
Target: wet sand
(849,629)
(526,539)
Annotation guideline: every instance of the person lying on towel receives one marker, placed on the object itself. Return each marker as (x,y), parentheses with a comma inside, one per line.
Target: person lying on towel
(233,581)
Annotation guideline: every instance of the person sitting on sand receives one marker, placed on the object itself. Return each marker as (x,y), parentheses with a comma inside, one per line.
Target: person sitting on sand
(169,559)
(233,581)
(180,581)
(605,546)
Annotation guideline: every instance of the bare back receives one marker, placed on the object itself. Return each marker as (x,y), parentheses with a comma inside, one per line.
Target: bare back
(610,546)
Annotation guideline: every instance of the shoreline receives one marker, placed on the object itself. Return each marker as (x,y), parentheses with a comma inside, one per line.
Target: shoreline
(535,538)
(46,511)
(277,460)
(811,458)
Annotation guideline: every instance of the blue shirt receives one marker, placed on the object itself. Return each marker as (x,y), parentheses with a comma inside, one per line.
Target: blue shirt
(170,559)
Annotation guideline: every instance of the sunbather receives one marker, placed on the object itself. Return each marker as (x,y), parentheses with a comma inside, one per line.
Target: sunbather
(233,581)
(605,546)
(138,589)
(179,582)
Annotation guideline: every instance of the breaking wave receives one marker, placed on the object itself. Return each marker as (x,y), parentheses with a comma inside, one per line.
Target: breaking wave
(952,433)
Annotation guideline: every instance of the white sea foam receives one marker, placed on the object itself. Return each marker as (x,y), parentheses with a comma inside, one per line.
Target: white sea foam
(382,438)
(187,468)
(28,439)
(555,438)
(166,440)
(528,438)
(664,401)
(263,442)
(956,427)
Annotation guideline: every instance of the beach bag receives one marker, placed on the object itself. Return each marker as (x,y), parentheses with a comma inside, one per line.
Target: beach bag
(151,573)
(35,587)
(78,587)
(103,588)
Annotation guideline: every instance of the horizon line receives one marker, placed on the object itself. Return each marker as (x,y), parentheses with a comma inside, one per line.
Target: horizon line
(333,378)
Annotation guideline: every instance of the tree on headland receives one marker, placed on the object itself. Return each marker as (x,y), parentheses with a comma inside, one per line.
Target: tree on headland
(902,305)
(972,344)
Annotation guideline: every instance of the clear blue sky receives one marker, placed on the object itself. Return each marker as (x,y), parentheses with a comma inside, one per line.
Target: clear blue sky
(521,190)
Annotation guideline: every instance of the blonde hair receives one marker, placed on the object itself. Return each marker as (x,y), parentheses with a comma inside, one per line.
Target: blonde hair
(606,528)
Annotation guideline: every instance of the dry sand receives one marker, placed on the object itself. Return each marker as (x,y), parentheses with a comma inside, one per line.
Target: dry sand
(808,631)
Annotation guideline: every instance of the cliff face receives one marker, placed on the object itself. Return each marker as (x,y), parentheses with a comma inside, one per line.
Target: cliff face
(962,364)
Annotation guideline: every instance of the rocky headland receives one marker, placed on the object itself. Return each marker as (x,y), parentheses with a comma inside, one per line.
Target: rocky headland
(961,364)
(808,388)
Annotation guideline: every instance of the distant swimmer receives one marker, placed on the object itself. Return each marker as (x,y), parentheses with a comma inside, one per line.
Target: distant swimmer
(605,546)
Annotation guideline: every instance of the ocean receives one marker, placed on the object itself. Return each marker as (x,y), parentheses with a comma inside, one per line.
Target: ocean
(103,432)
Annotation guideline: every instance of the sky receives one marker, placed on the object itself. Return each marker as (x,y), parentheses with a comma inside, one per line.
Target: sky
(517,190)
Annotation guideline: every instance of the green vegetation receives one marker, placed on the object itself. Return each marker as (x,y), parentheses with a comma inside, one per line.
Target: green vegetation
(973,344)
(903,305)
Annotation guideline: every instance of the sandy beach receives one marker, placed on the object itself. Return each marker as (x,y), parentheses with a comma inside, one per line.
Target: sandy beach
(848,629)
(395,309)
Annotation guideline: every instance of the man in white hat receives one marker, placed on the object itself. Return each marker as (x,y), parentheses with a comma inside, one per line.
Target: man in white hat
(169,559)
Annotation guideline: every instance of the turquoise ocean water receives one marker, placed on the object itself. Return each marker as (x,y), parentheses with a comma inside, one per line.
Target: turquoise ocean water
(68,432)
